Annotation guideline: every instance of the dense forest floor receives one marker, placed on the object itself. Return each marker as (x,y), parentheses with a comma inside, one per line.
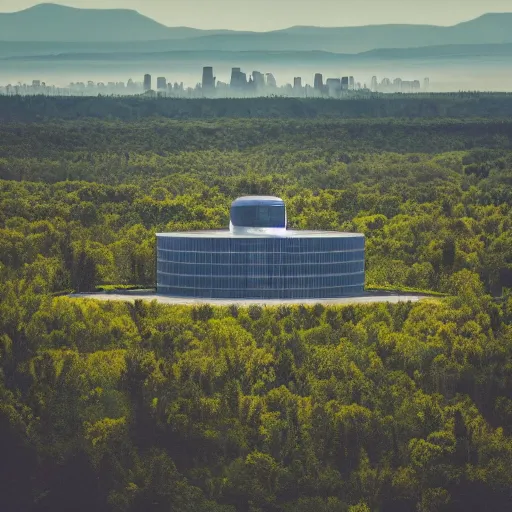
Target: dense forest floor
(118,406)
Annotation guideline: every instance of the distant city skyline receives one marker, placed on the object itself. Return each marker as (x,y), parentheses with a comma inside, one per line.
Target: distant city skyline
(241,84)
(264,15)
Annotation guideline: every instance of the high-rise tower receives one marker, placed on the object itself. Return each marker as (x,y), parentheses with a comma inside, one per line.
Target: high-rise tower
(238,79)
(147,82)
(319,81)
(208,83)
(271,81)
(258,80)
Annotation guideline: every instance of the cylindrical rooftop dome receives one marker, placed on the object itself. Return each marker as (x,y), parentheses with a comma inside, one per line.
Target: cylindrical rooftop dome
(260,213)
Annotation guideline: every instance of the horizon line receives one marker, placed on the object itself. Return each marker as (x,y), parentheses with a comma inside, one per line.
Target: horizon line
(54,4)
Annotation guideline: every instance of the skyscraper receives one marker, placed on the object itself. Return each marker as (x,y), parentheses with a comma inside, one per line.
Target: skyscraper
(258,80)
(374,83)
(297,82)
(147,82)
(161,83)
(238,79)
(243,79)
(351,83)
(271,81)
(333,86)
(406,86)
(208,83)
(386,83)
(319,81)
(344,83)
(235,77)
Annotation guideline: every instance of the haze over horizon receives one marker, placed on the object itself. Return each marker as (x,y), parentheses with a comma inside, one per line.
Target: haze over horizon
(59,44)
(254,16)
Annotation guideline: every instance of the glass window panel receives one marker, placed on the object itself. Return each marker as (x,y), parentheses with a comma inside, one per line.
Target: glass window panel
(262,267)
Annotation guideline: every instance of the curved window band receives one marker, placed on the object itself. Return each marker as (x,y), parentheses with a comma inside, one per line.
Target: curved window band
(259,216)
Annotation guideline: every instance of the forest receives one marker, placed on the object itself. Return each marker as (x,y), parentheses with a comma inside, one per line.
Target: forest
(360,105)
(128,407)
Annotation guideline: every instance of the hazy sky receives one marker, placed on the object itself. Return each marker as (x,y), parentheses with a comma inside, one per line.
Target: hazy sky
(263,15)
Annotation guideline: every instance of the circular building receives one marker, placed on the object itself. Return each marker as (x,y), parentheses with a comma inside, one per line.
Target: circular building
(258,258)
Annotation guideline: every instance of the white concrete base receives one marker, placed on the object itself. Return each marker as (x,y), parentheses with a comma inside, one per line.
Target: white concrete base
(368,298)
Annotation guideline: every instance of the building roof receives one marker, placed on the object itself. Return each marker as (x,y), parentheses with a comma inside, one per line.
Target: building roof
(259,232)
(263,233)
(257,200)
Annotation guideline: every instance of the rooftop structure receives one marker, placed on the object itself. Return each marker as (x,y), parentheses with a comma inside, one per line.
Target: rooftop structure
(258,215)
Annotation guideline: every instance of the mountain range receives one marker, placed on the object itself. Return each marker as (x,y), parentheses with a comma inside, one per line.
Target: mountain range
(438,53)
(59,23)
(44,28)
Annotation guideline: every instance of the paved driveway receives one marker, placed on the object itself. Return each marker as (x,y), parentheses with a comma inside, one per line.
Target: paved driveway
(368,298)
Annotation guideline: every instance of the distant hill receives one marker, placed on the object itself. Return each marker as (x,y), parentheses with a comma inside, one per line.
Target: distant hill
(488,29)
(119,30)
(447,51)
(438,53)
(58,23)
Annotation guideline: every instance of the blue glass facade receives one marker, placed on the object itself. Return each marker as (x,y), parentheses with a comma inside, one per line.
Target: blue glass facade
(290,267)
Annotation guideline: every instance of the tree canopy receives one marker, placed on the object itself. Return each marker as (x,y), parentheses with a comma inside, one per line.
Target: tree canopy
(127,407)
